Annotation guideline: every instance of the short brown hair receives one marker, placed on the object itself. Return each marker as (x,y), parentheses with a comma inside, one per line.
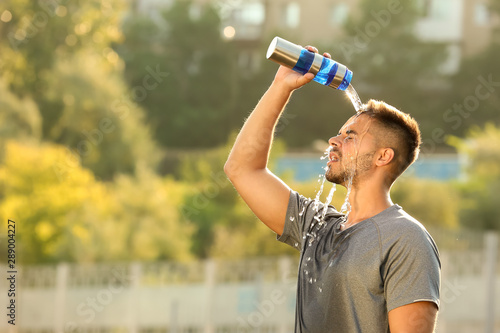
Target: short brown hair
(400,132)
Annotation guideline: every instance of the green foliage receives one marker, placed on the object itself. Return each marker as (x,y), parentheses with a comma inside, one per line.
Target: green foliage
(434,204)
(472,100)
(19,118)
(224,225)
(51,225)
(152,226)
(83,220)
(99,120)
(199,94)
(59,56)
(481,147)
(42,31)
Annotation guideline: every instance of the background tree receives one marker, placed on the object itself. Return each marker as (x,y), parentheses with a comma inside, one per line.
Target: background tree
(464,107)
(481,147)
(85,220)
(60,57)
(19,118)
(193,107)
(391,63)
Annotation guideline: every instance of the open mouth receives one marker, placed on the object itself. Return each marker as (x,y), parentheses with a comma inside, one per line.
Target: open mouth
(332,157)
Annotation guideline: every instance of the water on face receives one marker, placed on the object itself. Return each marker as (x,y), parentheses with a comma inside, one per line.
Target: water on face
(355,100)
(346,207)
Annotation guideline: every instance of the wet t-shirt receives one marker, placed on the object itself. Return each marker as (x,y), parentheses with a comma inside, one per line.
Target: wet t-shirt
(349,280)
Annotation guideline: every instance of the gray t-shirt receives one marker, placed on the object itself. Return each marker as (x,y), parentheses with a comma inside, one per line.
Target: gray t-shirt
(349,280)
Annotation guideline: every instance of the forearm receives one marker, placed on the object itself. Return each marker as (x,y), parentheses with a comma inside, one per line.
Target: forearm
(252,146)
(266,195)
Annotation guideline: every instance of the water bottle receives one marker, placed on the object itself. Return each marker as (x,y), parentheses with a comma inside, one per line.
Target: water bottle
(327,71)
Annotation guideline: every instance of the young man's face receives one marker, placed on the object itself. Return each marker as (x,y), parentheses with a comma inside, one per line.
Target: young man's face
(351,152)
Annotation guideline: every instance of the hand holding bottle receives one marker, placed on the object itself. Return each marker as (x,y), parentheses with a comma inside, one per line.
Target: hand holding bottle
(307,60)
(293,80)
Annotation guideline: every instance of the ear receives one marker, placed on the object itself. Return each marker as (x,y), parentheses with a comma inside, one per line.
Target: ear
(384,157)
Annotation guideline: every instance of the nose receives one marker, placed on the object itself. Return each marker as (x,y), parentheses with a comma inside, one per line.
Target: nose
(334,141)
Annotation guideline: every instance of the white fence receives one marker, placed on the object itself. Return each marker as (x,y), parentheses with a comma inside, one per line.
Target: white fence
(256,295)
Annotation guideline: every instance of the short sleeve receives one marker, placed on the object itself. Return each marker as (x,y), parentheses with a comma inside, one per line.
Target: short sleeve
(412,269)
(294,221)
(301,212)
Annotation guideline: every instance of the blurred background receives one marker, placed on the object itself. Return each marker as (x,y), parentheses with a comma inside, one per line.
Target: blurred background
(116,118)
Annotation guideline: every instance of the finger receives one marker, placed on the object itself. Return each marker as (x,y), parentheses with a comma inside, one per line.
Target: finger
(312,48)
(327,55)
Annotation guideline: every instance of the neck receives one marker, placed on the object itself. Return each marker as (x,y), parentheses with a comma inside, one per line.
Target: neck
(366,201)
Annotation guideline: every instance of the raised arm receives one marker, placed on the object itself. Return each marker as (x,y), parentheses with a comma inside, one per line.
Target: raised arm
(266,195)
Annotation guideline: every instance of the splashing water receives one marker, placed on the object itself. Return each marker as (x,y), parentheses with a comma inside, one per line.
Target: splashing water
(328,201)
(321,179)
(346,206)
(326,153)
(353,96)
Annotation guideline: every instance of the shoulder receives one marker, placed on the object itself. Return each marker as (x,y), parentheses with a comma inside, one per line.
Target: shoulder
(400,229)
(396,221)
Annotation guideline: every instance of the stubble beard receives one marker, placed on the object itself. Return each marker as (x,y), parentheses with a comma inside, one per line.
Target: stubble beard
(349,174)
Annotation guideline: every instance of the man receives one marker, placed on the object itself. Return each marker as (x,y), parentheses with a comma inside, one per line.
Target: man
(375,269)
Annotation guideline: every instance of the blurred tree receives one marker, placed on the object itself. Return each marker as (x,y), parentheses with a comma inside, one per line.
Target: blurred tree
(84,220)
(193,106)
(481,147)
(390,62)
(19,118)
(51,225)
(99,120)
(474,97)
(224,225)
(40,32)
(59,55)
(434,204)
(148,214)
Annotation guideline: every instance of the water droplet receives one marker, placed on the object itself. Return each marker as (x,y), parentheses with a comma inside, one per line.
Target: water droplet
(308,258)
(320,289)
(292,218)
(296,245)
(306,272)
(310,280)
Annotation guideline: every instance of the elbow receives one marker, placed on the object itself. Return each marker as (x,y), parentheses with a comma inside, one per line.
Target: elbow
(230,169)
